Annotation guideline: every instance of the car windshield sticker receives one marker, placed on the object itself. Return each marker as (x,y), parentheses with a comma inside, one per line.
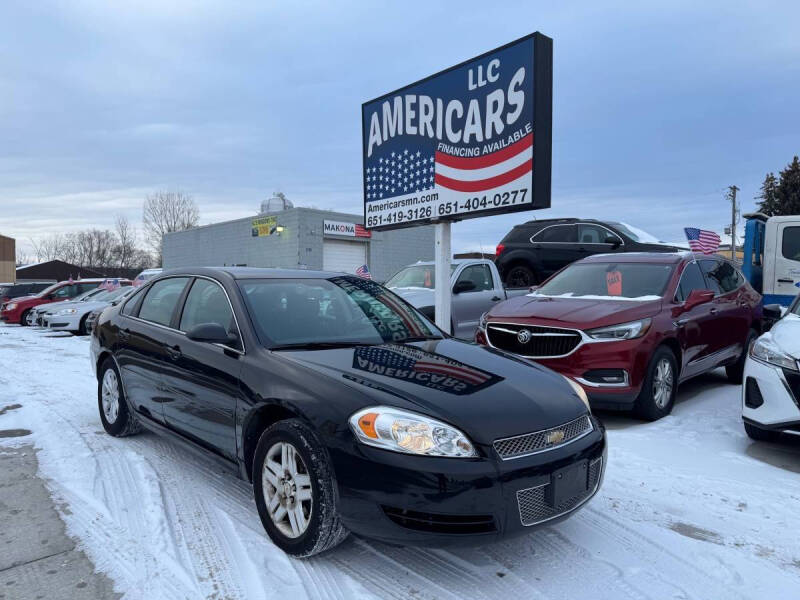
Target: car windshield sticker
(614,283)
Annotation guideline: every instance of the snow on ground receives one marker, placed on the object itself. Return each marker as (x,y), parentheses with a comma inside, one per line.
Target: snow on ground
(690,508)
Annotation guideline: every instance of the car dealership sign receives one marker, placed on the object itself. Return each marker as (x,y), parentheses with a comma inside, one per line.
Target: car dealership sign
(344,228)
(470,141)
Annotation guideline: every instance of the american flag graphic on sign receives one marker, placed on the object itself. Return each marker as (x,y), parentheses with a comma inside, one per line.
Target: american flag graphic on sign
(362,232)
(702,240)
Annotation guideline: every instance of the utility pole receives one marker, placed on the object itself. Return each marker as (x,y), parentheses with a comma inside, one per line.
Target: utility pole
(732,189)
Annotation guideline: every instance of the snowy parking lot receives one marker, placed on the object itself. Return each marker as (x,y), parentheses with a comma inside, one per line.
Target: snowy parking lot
(690,508)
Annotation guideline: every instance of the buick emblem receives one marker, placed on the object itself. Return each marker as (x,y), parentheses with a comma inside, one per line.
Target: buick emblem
(555,437)
(524,336)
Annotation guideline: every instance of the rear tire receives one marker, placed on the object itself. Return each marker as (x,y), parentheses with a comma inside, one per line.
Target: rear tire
(761,435)
(114,413)
(735,372)
(660,384)
(293,489)
(520,276)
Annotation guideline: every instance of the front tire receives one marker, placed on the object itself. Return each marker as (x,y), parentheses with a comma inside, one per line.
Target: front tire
(114,413)
(658,391)
(82,326)
(760,435)
(735,372)
(293,488)
(23,320)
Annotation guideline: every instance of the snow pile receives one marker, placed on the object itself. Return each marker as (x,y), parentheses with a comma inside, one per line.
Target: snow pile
(690,508)
(649,298)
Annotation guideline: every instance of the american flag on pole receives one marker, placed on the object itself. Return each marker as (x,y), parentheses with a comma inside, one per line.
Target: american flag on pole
(363,271)
(702,240)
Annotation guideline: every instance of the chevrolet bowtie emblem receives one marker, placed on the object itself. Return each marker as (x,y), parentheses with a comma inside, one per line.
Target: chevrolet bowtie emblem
(555,437)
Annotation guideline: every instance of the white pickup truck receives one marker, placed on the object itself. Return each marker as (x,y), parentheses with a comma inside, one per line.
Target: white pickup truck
(476,288)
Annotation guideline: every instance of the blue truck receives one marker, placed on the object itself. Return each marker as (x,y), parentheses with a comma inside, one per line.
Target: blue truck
(771,260)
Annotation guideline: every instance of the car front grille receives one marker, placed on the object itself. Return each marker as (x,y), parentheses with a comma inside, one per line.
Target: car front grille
(534,507)
(546,439)
(438,523)
(538,342)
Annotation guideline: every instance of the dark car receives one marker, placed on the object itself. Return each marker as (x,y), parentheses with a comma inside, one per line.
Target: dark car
(533,251)
(15,290)
(629,328)
(346,408)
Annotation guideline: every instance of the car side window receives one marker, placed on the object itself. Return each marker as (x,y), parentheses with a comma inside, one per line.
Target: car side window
(207,303)
(691,279)
(556,234)
(589,233)
(480,275)
(66,291)
(790,244)
(161,299)
(721,275)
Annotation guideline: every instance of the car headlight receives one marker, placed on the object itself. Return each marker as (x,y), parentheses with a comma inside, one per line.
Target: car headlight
(11,306)
(405,431)
(623,331)
(67,311)
(483,321)
(580,391)
(766,350)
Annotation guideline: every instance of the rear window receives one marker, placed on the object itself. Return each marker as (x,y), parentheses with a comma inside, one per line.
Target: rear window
(633,281)
(721,276)
(555,234)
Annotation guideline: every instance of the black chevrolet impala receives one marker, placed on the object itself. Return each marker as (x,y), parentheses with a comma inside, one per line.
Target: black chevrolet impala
(347,409)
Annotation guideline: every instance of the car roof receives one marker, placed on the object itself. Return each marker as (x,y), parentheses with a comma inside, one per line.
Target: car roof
(251,273)
(565,220)
(662,258)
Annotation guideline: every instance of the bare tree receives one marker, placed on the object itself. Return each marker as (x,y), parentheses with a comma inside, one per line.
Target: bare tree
(48,248)
(165,212)
(125,249)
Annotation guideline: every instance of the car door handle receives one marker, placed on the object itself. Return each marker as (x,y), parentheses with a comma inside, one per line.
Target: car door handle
(682,322)
(124,335)
(713,311)
(496,298)
(785,280)
(174,352)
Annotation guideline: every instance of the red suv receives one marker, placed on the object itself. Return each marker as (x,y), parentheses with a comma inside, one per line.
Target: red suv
(628,328)
(16,310)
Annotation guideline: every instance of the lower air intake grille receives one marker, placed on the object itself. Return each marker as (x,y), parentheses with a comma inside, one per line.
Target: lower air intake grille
(533,505)
(436,523)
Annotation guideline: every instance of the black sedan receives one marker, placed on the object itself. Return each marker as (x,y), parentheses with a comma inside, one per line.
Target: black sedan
(346,408)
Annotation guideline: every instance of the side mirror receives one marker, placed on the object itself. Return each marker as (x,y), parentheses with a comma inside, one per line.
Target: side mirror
(772,312)
(613,240)
(212,333)
(464,286)
(698,297)
(533,288)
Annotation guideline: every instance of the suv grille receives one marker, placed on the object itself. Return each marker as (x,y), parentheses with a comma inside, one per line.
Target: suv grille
(546,439)
(533,505)
(540,342)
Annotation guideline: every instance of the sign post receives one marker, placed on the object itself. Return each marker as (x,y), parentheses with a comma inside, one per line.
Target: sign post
(473,140)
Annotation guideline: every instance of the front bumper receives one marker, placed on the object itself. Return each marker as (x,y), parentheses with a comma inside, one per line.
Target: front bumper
(62,322)
(417,500)
(770,397)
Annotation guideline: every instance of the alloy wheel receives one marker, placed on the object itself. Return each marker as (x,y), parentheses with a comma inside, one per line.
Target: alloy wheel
(287,489)
(662,383)
(110,396)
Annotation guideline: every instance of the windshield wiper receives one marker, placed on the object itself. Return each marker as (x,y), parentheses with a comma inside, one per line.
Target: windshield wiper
(419,338)
(321,345)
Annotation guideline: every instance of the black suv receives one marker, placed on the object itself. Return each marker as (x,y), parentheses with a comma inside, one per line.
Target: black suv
(16,290)
(533,251)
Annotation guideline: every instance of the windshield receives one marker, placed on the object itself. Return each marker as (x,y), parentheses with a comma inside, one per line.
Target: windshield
(420,276)
(47,290)
(636,234)
(340,310)
(117,293)
(95,293)
(639,281)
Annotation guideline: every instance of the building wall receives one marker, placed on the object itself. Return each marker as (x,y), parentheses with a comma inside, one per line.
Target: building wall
(299,245)
(8,256)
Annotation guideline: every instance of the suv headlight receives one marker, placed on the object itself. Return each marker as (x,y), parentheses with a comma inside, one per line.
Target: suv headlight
(767,351)
(623,331)
(580,391)
(404,431)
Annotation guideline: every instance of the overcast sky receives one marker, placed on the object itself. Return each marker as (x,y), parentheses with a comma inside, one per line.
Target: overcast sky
(656,109)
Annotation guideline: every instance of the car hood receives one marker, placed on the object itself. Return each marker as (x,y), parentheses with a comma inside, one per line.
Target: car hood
(80,307)
(785,333)
(575,312)
(22,298)
(485,393)
(416,297)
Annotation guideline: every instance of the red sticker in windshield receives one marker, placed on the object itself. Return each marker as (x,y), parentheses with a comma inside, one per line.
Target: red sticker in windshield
(614,283)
